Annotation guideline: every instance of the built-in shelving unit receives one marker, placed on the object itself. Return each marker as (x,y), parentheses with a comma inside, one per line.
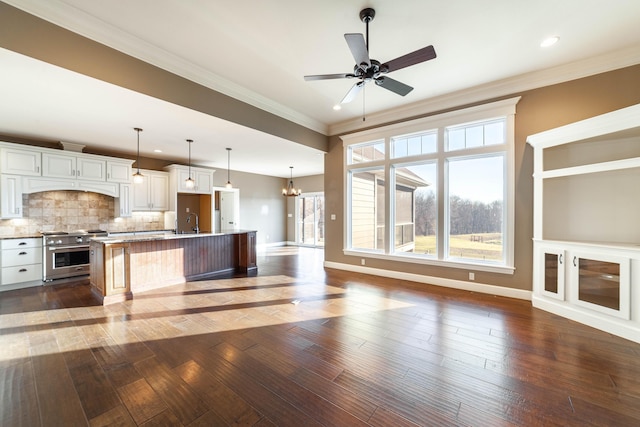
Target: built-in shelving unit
(586,227)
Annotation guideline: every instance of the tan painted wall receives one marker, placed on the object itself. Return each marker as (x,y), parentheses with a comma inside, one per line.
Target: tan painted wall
(538,110)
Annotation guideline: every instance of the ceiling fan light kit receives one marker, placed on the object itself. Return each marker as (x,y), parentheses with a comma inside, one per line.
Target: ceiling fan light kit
(367,69)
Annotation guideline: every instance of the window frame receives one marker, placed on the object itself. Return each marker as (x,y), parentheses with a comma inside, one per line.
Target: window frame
(481,113)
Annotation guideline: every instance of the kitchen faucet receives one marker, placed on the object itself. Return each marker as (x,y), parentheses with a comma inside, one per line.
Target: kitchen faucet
(197,227)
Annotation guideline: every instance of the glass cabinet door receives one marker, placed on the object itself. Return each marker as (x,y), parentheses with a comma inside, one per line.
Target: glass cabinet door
(553,272)
(601,283)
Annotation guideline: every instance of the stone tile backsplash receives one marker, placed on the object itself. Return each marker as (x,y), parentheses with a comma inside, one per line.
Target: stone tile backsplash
(75,210)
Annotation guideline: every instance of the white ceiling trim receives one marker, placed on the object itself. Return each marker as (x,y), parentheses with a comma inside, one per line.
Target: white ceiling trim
(537,79)
(86,25)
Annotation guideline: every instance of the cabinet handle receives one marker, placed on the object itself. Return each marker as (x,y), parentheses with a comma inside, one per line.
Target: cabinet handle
(22,253)
(22,270)
(78,172)
(560,258)
(574,261)
(73,172)
(22,243)
(38,169)
(108,175)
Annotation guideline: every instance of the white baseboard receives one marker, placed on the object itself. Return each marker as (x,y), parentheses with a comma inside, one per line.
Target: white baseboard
(438,281)
(619,327)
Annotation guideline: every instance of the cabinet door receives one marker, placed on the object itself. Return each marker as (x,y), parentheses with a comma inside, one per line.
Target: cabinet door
(124,203)
(21,162)
(141,196)
(58,165)
(159,192)
(118,172)
(601,282)
(204,182)
(11,196)
(91,169)
(552,272)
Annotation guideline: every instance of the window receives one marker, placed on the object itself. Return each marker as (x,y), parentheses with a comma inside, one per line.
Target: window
(436,191)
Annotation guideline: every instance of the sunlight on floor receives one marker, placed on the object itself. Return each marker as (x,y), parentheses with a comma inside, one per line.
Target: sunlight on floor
(201,307)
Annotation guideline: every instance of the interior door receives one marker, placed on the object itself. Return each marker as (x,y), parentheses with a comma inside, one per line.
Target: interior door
(229,209)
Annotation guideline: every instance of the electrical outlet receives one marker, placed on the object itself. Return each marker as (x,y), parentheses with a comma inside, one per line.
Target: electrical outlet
(472,276)
(187,210)
(362,262)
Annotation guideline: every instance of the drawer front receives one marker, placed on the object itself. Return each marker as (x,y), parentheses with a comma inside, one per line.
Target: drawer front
(20,243)
(21,273)
(26,256)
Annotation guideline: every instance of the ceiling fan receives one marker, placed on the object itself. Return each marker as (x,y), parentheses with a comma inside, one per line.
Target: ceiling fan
(367,69)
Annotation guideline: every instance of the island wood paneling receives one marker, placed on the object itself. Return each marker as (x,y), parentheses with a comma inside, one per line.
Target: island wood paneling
(125,267)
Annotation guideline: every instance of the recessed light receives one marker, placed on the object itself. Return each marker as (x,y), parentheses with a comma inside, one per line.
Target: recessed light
(549,41)
(337,107)
(157,151)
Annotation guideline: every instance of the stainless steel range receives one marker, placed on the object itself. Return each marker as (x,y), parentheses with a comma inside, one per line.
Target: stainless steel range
(66,254)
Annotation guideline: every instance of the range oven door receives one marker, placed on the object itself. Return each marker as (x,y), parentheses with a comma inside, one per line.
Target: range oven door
(61,262)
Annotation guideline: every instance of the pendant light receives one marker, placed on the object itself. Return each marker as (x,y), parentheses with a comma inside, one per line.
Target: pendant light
(291,191)
(138,178)
(189,183)
(228,185)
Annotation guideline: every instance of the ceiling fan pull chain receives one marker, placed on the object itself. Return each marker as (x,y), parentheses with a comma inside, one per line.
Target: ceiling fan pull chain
(363,103)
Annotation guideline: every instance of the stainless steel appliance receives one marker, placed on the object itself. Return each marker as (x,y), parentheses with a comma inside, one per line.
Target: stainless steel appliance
(66,254)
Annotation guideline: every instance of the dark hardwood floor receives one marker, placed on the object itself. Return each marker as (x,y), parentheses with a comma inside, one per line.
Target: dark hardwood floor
(297,346)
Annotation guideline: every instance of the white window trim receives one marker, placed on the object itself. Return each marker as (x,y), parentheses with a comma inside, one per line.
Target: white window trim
(504,108)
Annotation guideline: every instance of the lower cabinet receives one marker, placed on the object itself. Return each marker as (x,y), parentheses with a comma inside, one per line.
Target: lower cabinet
(590,283)
(21,261)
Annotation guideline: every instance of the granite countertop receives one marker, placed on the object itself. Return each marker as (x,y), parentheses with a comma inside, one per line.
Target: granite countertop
(22,236)
(161,236)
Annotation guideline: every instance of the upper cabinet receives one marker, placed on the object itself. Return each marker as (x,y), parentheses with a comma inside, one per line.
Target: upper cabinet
(31,161)
(152,194)
(119,171)
(203,179)
(70,166)
(21,162)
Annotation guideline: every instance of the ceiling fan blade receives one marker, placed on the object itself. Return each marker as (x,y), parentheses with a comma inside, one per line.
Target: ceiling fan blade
(329,76)
(416,57)
(358,49)
(393,85)
(355,89)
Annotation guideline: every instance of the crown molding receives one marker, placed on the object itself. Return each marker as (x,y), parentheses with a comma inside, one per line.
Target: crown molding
(510,86)
(86,25)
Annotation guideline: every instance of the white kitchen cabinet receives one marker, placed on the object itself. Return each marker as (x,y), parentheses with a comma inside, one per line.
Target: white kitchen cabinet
(203,179)
(62,165)
(152,194)
(119,171)
(11,196)
(123,206)
(586,231)
(21,162)
(21,262)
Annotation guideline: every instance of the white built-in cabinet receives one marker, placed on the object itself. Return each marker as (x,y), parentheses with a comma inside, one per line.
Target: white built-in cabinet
(152,194)
(586,227)
(28,169)
(203,178)
(11,196)
(123,207)
(20,162)
(20,262)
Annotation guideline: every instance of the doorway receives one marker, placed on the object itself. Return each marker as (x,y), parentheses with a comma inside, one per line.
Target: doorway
(226,209)
(310,220)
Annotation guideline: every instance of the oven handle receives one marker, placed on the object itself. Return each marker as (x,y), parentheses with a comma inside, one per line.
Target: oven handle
(64,248)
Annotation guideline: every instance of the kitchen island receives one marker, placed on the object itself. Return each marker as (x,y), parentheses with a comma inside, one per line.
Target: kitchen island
(123,266)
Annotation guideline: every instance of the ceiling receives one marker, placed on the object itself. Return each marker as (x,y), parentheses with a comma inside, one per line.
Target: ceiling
(260,55)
